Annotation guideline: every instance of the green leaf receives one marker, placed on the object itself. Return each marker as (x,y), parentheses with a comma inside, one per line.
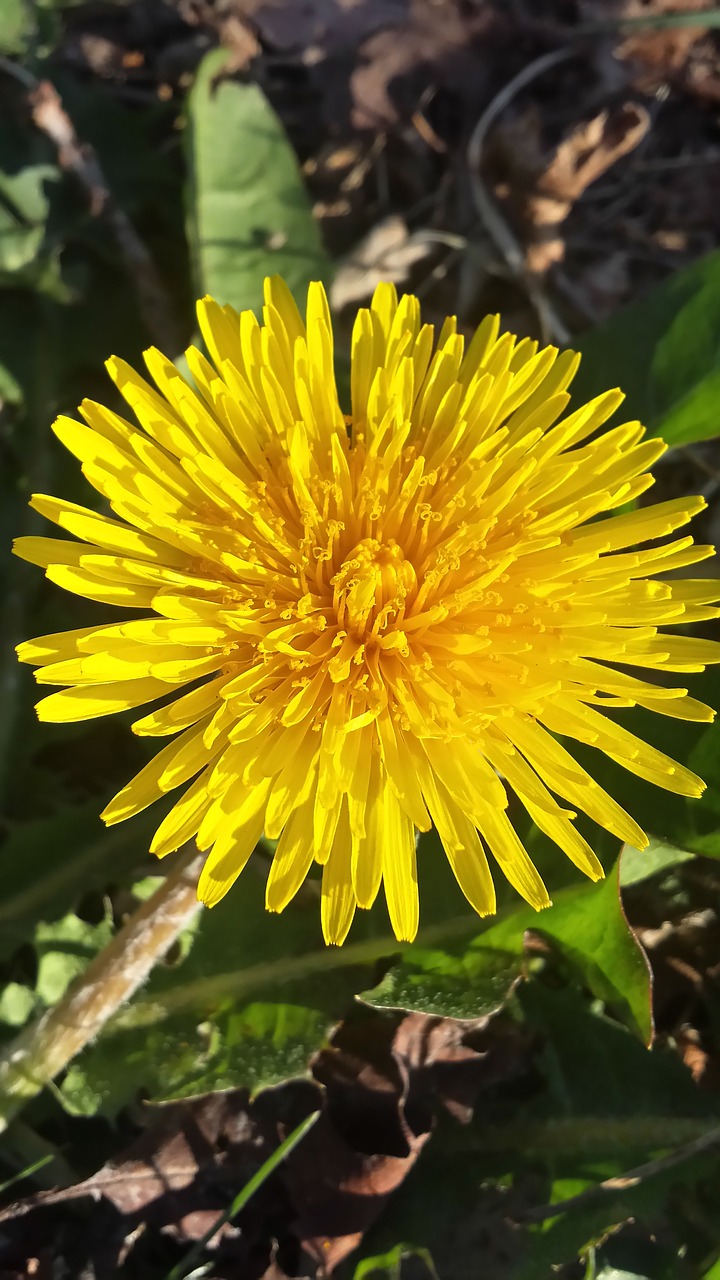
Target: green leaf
(460,982)
(248,212)
(637,865)
(597,1071)
(588,927)
(390,1263)
(63,949)
(253,995)
(250,1002)
(15,26)
(664,351)
(17,1004)
(24,206)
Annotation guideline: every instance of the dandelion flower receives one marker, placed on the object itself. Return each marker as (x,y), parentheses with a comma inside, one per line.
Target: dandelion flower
(357,626)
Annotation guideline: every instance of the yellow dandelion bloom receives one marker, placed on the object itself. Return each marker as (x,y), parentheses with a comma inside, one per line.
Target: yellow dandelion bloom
(358,626)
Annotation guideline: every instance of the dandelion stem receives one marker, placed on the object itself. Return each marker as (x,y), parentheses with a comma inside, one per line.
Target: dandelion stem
(47,1045)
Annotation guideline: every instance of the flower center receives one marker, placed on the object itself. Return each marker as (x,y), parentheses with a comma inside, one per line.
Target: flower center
(374,585)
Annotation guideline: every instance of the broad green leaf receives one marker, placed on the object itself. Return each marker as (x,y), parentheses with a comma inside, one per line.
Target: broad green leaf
(460,982)
(664,351)
(586,924)
(15,25)
(637,865)
(253,995)
(596,1071)
(247,209)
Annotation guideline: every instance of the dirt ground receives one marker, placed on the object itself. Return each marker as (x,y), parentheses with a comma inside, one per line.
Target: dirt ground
(600,170)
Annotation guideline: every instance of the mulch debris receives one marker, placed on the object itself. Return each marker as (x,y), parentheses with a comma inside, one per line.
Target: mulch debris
(379,1086)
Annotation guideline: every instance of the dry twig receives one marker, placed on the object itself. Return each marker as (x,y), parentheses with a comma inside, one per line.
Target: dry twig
(485,205)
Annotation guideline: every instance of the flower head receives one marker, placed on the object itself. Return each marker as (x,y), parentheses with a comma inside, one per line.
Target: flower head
(358,626)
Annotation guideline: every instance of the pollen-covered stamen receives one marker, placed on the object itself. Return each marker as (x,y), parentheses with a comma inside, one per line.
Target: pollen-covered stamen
(373,587)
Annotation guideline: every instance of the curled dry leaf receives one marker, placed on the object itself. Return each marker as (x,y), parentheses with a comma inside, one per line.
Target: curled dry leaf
(661,52)
(386,253)
(431,45)
(541,190)
(385,1080)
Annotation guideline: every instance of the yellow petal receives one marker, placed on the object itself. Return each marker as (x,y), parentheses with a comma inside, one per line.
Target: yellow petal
(399,866)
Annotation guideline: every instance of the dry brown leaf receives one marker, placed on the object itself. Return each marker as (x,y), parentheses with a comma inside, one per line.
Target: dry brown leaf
(384,1079)
(661,52)
(435,45)
(386,253)
(338,1192)
(541,190)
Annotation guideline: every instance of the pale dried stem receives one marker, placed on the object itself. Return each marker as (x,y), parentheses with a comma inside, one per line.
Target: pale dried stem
(617,1186)
(46,1046)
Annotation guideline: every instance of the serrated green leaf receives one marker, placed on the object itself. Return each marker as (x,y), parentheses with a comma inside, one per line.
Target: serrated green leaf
(464,982)
(587,925)
(247,209)
(252,1000)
